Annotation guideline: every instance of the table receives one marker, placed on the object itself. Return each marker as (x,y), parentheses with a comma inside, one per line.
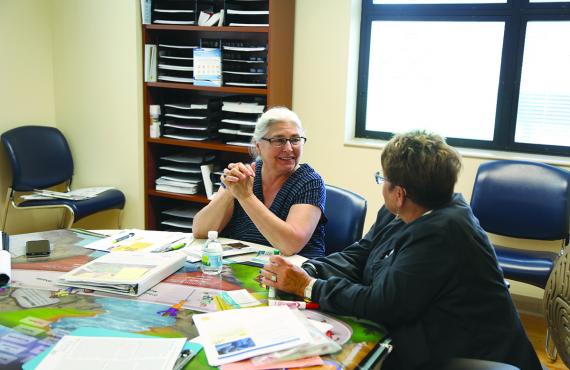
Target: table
(35,313)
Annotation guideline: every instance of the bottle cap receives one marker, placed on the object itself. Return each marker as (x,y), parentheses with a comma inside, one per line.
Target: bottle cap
(213,234)
(154,111)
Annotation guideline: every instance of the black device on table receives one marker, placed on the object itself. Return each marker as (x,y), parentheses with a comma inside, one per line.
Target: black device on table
(37,248)
(5,242)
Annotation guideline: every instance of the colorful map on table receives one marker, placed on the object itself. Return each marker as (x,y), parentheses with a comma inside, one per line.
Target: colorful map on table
(35,312)
(33,319)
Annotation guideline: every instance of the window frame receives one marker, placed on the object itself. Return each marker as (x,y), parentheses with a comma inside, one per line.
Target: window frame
(515,14)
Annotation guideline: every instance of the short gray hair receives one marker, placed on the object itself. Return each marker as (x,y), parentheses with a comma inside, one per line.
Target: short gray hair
(271,116)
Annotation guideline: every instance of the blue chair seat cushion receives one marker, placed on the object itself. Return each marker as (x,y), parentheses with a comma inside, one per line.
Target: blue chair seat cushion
(110,199)
(531,267)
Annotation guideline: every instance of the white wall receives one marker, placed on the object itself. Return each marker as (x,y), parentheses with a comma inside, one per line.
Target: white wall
(26,83)
(76,65)
(98,97)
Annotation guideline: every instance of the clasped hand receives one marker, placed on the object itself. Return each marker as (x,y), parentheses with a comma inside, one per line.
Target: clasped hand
(238,179)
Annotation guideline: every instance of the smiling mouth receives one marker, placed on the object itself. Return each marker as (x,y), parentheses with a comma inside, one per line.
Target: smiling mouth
(287,158)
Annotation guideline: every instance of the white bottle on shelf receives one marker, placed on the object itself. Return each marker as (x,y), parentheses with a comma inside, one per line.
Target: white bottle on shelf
(212,255)
(154,111)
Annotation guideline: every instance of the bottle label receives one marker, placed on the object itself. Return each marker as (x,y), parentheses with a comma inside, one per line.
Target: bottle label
(213,261)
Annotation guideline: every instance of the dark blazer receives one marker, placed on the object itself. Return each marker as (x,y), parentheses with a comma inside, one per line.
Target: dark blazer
(434,284)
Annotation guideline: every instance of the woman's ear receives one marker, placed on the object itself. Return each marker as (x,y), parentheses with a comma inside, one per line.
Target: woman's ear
(400,196)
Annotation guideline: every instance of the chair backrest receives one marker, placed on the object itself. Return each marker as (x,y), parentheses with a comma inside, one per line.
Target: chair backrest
(39,157)
(345,212)
(522,199)
(556,304)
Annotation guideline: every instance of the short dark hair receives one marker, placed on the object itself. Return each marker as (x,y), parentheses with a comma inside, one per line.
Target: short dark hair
(424,165)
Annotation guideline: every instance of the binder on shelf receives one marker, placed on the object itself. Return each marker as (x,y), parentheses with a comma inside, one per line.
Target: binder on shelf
(146,11)
(150,60)
(207,67)
(128,273)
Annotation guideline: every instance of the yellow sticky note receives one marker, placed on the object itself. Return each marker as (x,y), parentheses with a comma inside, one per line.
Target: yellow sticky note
(131,273)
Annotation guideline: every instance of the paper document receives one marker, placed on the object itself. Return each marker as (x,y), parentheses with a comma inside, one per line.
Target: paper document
(73,352)
(78,194)
(233,335)
(194,252)
(134,240)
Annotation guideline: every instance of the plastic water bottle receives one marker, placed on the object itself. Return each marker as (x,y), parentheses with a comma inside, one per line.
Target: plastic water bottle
(154,111)
(212,255)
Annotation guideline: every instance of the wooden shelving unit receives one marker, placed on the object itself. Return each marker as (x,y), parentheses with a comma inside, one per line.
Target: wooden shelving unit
(278,37)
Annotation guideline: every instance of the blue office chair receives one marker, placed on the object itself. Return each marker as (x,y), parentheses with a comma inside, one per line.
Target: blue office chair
(40,158)
(524,200)
(345,212)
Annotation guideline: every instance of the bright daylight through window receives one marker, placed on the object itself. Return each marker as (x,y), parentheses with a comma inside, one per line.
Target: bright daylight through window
(484,74)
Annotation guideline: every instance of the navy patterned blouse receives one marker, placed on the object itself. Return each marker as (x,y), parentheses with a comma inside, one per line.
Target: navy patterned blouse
(304,186)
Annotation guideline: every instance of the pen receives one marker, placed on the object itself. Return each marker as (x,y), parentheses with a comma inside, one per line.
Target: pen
(294,304)
(174,247)
(121,238)
(185,357)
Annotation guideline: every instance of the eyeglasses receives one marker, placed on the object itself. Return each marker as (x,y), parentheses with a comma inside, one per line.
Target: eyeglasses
(278,142)
(379,177)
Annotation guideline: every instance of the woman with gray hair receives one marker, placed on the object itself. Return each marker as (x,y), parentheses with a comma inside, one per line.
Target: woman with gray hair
(275,200)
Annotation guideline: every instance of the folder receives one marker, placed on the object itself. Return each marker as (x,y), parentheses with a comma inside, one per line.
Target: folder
(127,273)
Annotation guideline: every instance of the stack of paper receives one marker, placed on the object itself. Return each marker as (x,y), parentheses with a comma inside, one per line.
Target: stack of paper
(78,194)
(239,116)
(181,173)
(247,13)
(174,15)
(135,240)
(208,19)
(175,62)
(196,118)
(179,219)
(234,335)
(244,64)
(112,349)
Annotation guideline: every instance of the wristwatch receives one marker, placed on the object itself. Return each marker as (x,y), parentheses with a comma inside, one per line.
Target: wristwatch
(309,288)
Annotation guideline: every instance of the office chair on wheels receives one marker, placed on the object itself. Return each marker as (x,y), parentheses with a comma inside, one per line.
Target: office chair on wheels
(40,158)
(524,200)
(345,212)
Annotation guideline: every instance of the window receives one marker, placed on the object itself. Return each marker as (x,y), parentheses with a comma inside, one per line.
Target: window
(484,74)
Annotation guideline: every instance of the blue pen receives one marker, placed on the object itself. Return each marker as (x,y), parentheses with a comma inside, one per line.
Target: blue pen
(121,238)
